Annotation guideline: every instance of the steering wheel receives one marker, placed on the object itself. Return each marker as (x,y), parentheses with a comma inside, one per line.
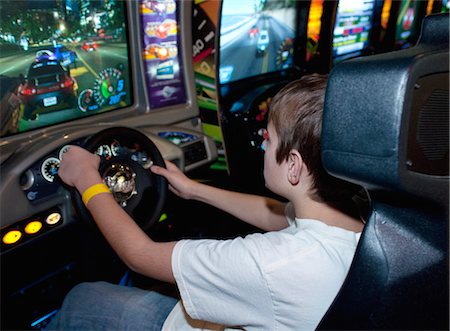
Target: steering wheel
(126,156)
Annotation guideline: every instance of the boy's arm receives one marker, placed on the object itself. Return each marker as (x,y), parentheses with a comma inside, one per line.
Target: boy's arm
(134,247)
(140,253)
(262,212)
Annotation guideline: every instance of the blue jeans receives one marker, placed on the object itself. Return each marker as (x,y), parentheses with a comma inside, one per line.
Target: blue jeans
(104,306)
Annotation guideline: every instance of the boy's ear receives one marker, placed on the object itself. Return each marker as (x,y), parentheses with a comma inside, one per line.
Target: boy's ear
(295,166)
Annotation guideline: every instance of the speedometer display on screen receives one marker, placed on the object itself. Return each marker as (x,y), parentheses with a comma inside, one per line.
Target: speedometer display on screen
(109,87)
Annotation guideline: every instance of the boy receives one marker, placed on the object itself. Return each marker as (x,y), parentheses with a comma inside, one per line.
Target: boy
(283,279)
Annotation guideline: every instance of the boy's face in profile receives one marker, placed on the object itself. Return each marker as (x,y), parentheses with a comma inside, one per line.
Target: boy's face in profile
(274,173)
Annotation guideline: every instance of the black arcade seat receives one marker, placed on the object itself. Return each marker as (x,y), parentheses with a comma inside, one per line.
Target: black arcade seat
(386,127)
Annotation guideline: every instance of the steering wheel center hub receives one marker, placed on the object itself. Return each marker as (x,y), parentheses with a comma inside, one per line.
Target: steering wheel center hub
(120,179)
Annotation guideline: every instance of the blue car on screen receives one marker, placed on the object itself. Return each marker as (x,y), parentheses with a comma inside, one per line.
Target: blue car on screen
(58,53)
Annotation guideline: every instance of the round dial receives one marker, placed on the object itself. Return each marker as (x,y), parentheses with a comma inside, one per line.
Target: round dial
(104,151)
(63,150)
(108,87)
(115,148)
(86,100)
(49,168)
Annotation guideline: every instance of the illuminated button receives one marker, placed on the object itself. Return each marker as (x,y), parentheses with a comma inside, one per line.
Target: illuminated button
(53,218)
(163,217)
(33,227)
(12,237)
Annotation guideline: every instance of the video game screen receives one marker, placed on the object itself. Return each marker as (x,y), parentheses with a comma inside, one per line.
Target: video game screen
(406,20)
(61,60)
(256,37)
(352,27)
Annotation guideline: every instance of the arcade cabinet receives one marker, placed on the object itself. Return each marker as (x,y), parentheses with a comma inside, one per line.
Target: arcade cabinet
(261,48)
(78,68)
(401,24)
(348,29)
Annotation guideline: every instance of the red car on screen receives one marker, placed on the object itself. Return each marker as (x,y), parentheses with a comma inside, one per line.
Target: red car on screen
(253,32)
(47,87)
(89,45)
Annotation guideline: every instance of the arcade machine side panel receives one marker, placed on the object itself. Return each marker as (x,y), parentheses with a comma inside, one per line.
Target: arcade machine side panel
(205,18)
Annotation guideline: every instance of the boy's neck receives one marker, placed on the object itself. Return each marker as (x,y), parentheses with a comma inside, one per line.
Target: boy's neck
(323,212)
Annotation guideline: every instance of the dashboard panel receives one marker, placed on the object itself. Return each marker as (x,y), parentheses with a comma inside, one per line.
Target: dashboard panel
(36,202)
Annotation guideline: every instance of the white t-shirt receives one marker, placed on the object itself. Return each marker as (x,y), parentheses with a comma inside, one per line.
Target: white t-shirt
(283,280)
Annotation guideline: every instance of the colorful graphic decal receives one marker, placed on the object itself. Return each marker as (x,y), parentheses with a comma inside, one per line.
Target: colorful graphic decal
(161,55)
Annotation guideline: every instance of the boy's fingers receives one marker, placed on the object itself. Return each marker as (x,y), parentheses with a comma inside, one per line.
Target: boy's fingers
(170,168)
(170,165)
(156,169)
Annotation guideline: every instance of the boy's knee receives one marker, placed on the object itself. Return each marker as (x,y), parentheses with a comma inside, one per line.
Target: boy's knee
(82,288)
(84,292)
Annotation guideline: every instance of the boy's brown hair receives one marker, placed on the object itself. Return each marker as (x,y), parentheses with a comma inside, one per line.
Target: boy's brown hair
(296,114)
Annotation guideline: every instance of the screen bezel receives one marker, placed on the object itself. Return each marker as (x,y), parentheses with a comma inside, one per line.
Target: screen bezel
(139,113)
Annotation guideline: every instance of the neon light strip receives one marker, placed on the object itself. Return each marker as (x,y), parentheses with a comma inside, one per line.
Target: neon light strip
(43,318)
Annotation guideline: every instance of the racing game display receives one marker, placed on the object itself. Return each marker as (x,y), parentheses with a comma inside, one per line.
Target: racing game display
(256,37)
(61,60)
(352,27)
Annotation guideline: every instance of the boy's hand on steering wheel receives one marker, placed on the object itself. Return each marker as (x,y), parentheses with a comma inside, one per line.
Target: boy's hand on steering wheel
(79,168)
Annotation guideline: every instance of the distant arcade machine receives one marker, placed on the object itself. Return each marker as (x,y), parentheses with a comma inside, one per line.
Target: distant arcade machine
(262,46)
(353,29)
(401,22)
(340,30)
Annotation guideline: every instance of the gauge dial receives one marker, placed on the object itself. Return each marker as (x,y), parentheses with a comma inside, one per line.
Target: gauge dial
(108,87)
(49,168)
(86,101)
(63,150)
(115,148)
(104,151)
(285,53)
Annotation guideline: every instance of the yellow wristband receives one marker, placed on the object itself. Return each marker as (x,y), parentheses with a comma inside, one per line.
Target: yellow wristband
(93,191)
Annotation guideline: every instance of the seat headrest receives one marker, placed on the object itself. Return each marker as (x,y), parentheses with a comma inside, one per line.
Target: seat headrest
(386,117)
